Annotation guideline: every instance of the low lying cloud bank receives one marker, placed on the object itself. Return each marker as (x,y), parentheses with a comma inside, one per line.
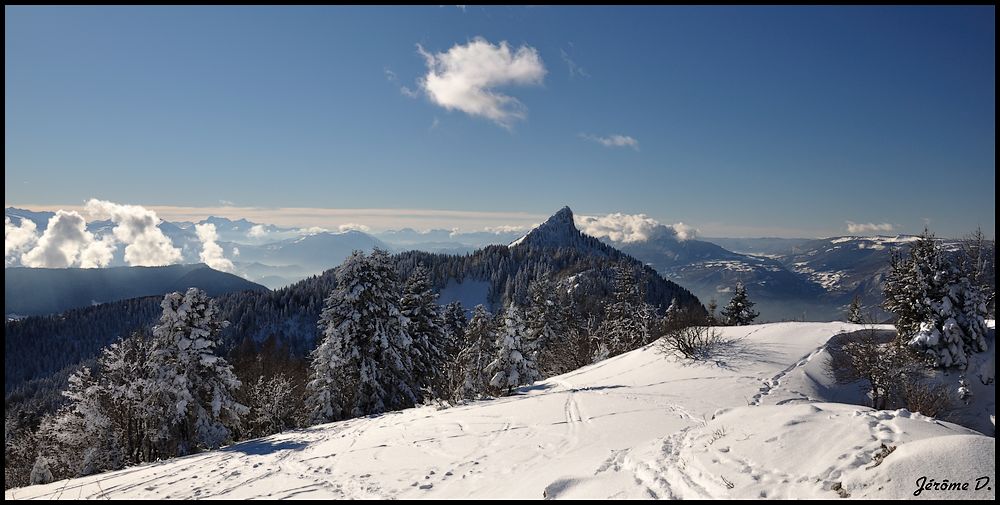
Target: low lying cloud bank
(66,241)
(862,228)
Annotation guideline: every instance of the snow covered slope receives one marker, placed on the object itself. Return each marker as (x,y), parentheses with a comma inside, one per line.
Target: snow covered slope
(639,425)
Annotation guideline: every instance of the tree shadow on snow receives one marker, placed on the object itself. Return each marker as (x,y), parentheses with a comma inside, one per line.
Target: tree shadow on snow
(733,354)
(265,447)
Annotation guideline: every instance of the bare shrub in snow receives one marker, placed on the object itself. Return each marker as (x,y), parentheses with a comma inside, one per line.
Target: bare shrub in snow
(694,342)
(930,400)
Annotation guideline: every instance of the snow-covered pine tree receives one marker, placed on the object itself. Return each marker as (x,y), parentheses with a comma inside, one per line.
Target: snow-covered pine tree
(189,374)
(939,310)
(854,311)
(545,337)
(513,364)
(40,471)
(910,285)
(672,317)
(573,350)
(271,402)
(425,327)
(713,305)
(626,323)
(455,322)
(138,425)
(68,439)
(739,311)
(362,364)
(474,358)
(454,326)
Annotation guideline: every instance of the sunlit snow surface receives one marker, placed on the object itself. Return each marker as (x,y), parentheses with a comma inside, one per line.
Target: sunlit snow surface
(750,423)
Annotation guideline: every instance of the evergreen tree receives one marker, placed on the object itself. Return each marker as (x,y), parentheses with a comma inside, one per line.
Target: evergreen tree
(425,327)
(627,319)
(573,350)
(545,337)
(854,311)
(673,316)
(68,438)
(739,311)
(938,309)
(363,363)
(713,305)
(513,364)
(454,325)
(271,404)
(188,374)
(40,471)
(474,358)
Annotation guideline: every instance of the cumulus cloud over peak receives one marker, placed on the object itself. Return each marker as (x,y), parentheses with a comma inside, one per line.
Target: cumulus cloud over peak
(138,228)
(211,251)
(465,78)
(66,242)
(17,239)
(612,140)
(853,227)
(257,231)
(628,228)
(353,227)
(312,230)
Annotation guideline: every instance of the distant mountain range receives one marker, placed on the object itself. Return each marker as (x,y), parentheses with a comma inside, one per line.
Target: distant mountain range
(811,279)
(581,265)
(806,279)
(36,291)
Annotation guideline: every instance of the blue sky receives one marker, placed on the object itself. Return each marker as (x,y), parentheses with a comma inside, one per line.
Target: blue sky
(743,121)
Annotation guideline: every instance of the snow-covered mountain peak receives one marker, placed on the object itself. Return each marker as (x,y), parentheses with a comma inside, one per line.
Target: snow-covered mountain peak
(557,230)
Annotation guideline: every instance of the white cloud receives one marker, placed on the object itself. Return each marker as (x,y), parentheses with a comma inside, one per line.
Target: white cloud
(465,78)
(211,251)
(574,69)
(353,227)
(627,228)
(853,227)
(98,253)
(618,227)
(315,220)
(507,228)
(236,251)
(613,140)
(226,203)
(257,231)
(17,239)
(138,228)
(312,230)
(683,231)
(67,241)
(406,91)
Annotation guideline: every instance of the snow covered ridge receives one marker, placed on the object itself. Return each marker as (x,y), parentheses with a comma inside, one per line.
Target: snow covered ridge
(753,422)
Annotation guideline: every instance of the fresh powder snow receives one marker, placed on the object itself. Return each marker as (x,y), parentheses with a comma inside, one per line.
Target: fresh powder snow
(751,422)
